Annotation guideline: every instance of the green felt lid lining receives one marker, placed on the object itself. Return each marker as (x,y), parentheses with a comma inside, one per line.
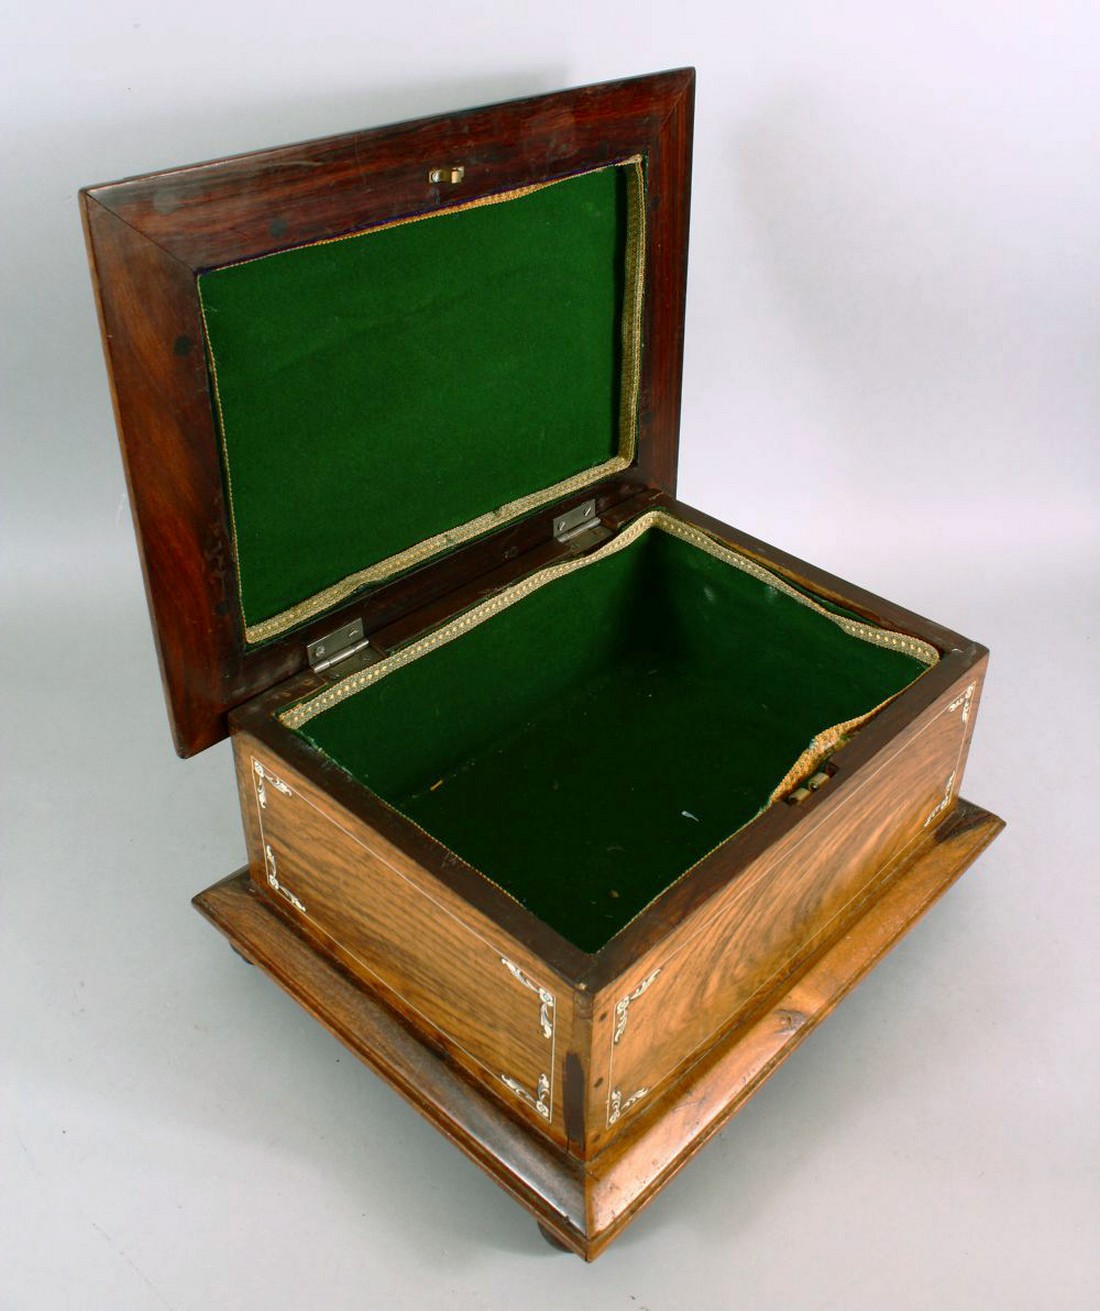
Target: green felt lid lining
(385,396)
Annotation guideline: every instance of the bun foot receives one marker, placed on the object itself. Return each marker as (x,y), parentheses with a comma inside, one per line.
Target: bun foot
(552,1238)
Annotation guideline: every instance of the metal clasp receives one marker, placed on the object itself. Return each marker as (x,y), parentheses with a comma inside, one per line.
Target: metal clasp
(451,173)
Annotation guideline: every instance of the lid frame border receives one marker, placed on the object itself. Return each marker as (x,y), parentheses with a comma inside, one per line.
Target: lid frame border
(148,239)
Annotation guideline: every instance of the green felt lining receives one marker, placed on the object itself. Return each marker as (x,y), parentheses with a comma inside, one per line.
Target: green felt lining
(400,386)
(587,744)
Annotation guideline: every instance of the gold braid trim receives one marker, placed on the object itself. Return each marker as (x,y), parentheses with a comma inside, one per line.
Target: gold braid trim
(635,246)
(310,707)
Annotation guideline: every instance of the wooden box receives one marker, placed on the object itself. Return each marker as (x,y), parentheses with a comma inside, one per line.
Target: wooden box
(569,809)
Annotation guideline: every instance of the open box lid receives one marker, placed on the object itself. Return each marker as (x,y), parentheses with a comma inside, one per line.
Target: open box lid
(353,373)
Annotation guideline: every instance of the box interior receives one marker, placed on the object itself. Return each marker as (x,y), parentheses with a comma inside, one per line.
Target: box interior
(385,396)
(586,738)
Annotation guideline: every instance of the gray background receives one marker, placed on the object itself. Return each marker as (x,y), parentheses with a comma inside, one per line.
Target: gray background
(892,369)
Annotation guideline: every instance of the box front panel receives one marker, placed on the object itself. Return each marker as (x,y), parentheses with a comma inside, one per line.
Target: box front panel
(460,981)
(726,960)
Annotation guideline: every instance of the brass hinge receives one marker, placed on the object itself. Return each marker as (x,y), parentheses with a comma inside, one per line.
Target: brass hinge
(581,519)
(329,655)
(810,786)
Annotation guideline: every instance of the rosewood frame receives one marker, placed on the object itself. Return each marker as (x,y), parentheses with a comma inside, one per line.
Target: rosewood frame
(149,237)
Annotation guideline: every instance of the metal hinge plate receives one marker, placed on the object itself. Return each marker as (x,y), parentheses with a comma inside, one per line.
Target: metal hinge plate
(576,521)
(811,785)
(330,655)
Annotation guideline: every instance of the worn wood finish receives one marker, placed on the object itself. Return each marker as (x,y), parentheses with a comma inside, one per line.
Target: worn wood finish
(148,237)
(586,1204)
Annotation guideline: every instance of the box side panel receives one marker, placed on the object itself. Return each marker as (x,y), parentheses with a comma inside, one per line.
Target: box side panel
(459,980)
(725,961)
(642,1160)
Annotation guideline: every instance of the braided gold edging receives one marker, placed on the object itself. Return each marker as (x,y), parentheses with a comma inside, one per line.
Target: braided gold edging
(912,646)
(634,260)
(297,715)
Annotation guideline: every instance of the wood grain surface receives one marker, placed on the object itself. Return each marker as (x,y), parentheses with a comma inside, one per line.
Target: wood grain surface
(709,970)
(473,992)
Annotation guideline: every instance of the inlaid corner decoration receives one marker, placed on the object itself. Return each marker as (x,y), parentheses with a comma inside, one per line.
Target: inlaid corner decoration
(541,1100)
(273,880)
(622,1006)
(425,998)
(263,777)
(546,1009)
(944,801)
(617,1104)
(962,702)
